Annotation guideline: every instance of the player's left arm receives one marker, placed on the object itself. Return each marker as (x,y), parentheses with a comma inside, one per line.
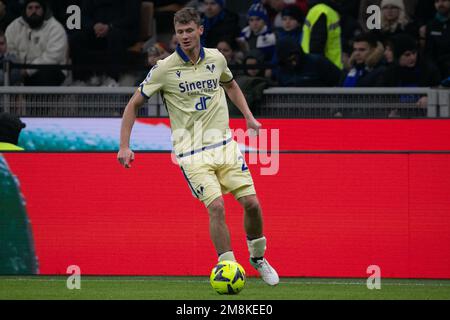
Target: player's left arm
(237,97)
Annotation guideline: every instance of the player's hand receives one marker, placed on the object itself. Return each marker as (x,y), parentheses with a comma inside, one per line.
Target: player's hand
(104,31)
(253,126)
(97,28)
(125,157)
(101,30)
(423,102)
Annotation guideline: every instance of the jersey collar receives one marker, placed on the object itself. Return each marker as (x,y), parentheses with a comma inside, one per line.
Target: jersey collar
(185,58)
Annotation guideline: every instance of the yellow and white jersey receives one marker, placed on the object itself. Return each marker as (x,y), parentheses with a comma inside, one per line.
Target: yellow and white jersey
(194,98)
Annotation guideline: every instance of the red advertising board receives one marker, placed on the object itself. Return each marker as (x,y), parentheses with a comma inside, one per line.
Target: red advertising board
(326,214)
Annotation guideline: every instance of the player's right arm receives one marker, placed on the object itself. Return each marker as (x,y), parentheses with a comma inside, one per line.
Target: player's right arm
(152,83)
(125,155)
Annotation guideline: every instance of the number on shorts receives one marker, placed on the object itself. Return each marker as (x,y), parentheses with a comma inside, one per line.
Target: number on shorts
(244,166)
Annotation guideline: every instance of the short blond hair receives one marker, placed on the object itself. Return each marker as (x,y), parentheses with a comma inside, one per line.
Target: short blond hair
(186,15)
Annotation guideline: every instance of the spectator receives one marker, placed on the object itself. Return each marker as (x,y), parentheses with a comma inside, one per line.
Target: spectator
(322,32)
(253,58)
(348,11)
(273,8)
(422,39)
(108,28)
(157,51)
(258,35)
(367,62)
(15,7)
(38,39)
(367,68)
(164,11)
(292,21)
(5,17)
(394,19)
(411,6)
(424,13)
(438,37)
(291,24)
(252,83)
(218,23)
(5,56)
(389,52)
(229,51)
(301,4)
(298,69)
(10,128)
(409,70)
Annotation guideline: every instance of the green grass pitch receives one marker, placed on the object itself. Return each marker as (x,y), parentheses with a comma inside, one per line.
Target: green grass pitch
(198,288)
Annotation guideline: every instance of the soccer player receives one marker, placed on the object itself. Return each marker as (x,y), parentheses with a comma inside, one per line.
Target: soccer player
(192,82)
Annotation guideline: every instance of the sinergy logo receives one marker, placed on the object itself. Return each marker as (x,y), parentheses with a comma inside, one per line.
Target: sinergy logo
(198,85)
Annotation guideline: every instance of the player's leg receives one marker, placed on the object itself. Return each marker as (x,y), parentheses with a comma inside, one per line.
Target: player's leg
(256,241)
(204,185)
(253,220)
(218,230)
(234,176)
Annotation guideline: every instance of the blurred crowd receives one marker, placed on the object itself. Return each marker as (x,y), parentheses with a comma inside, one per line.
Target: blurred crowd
(295,43)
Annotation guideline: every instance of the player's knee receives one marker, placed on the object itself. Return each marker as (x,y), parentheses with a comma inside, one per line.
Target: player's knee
(217,210)
(217,216)
(252,206)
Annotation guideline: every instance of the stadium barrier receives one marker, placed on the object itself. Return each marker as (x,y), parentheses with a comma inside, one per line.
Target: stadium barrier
(351,102)
(444,103)
(276,102)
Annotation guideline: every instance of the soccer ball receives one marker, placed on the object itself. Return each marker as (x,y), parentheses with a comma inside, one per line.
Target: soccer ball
(227,277)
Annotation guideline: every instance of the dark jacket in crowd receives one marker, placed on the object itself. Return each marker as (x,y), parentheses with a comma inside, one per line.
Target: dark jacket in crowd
(364,76)
(411,29)
(121,14)
(438,43)
(424,74)
(14,76)
(225,26)
(251,86)
(424,12)
(295,34)
(280,34)
(297,69)
(367,74)
(10,127)
(5,21)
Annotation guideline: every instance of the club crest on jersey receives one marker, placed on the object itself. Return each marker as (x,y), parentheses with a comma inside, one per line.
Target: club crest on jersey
(200,190)
(211,67)
(149,75)
(178,73)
